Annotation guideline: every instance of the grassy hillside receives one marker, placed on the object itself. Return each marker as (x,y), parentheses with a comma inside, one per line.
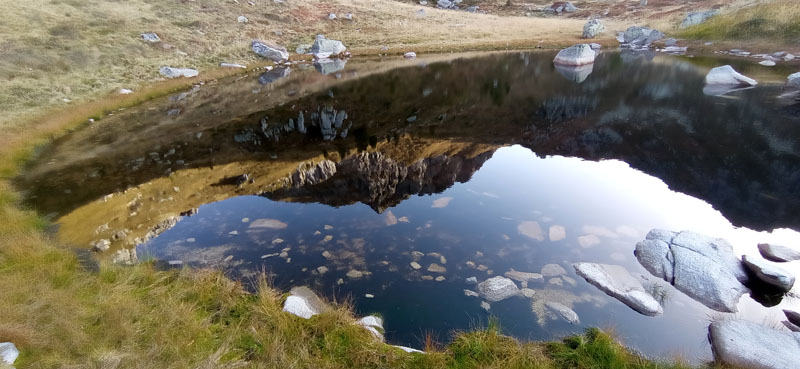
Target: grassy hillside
(773,21)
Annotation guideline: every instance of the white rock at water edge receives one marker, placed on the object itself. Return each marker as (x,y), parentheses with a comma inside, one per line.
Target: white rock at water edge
(171,72)
(272,52)
(769,273)
(581,54)
(749,345)
(410,55)
(563,312)
(792,81)
(618,283)
(726,75)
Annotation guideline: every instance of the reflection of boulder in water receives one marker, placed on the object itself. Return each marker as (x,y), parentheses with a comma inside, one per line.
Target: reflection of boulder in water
(328,66)
(274,75)
(575,73)
(378,181)
(722,90)
(565,108)
(636,55)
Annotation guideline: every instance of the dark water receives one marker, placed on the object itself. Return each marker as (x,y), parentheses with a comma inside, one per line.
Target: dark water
(498,161)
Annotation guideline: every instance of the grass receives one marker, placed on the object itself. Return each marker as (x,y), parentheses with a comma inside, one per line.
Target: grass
(777,20)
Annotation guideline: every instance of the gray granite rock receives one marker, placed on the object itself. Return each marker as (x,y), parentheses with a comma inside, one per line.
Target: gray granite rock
(323,45)
(637,36)
(702,267)
(779,253)
(497,289)
(695,18)
(374,325)
(726,75)
(303,302)
(8,353)
(769,273)
(580,54)
(270,51)
(593,28)
(749,345)
(615,281)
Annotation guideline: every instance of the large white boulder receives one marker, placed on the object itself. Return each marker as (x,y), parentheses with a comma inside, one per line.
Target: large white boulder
(726,75)
(497,289)
(270,51)
(702,267)
(615,281)
(323,46)
(769,273)
(304,303)
(580,54)
(746,344)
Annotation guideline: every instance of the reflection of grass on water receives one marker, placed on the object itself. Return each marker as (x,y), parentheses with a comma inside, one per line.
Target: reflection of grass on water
(659,291)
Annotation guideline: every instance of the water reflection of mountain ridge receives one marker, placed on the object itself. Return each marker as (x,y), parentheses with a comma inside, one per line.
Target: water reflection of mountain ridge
(740,156)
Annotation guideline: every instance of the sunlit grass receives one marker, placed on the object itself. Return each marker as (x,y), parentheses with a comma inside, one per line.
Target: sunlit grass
(778,20)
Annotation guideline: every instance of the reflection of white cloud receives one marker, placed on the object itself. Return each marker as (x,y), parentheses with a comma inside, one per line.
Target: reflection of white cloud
(599,231)
(617,256)
(588,241)
(557,233)
(531,229)
(389,219)
(441,202)
(629,231)
(546,219)
(268,223)
(489,194)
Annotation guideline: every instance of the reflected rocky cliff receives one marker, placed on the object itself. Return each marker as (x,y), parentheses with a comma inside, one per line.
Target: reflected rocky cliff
(377,135)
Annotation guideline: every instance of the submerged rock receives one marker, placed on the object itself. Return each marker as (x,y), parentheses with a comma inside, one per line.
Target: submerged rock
(563,312)
(553,270)
(270,51)
(702,267)
(436,268)
(523,276)
(151,37)
(778,253)
(726,75)
(580,54)
(497,289)
(768,273)
(303,302)
(749,345)
(615,281)
(593,28)
(695,18)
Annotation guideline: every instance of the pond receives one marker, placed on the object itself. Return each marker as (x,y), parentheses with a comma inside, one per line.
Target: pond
(395,182)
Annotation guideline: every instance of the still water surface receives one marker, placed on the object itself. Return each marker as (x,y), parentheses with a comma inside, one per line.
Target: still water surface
(483,163)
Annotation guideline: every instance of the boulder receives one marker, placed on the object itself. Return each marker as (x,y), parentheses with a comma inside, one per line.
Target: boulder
(780,253)
(171,72)
(792,316)
(750,345)
(270,51)
(561,6)
(303,302)
(497,289)
(641,36)
(695,18)
(242,19)
(615,281)
(562,311)
(767,63)
(769,273)
(323,45)
(702,267)
(410,55)
(593,28)
(8,352)
(581,54)
(374,325)
(726,75)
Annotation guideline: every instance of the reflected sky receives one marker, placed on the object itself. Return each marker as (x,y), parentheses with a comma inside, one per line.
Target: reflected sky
(585,211)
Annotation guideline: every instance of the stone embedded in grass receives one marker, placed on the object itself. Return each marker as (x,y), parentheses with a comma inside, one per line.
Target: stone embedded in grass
(303,302)
(695,18)
(580,54)
(270,51)
(593,28)
(242,19)
(497,289)
(150,37)
(171,72)
(232,65)
(409,350)
(9,352)
(374,325)
(101,245)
